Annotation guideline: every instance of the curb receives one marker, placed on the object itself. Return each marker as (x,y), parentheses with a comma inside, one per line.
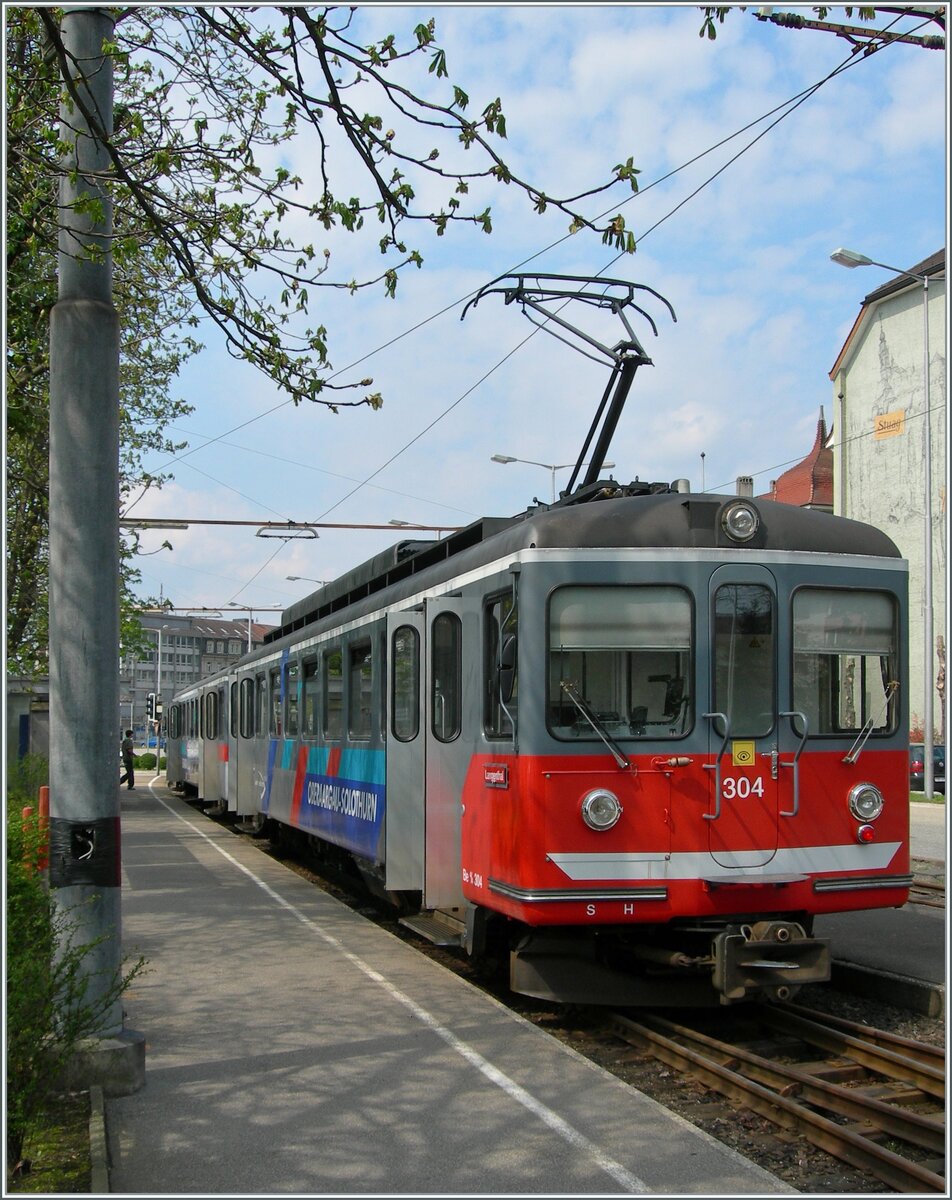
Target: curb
(917,995)
(98,1153)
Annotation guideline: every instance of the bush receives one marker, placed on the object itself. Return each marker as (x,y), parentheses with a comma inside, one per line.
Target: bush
(25,777)
(146,762)
(49,1012)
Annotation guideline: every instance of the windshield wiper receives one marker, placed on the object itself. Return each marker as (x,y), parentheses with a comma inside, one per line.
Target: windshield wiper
(585,710)
(852,755)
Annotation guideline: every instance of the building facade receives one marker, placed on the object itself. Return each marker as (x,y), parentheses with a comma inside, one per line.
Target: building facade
(881,430)
(183,649)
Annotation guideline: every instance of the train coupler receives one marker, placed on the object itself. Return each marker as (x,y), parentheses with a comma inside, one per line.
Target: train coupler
(770,958)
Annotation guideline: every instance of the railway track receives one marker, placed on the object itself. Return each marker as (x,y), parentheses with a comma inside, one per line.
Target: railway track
(872,1099)
(928,883)
(930,892)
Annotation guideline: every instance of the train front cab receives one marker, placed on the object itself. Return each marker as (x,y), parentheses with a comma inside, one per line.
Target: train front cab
(684,761)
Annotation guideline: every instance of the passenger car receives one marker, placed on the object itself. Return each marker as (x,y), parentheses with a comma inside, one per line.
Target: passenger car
(917,767)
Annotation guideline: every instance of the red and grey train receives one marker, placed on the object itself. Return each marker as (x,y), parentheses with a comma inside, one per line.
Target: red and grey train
(640,738)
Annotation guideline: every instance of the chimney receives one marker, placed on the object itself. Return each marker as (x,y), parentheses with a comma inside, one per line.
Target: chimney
(745,485)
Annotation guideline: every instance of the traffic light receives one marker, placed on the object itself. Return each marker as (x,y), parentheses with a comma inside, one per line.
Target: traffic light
(150,706)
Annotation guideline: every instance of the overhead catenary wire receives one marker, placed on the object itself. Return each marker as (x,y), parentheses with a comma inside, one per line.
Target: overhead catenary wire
(784,110)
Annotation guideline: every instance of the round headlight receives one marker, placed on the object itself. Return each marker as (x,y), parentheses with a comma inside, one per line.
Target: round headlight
(600,809)
(866,802)
(740,521)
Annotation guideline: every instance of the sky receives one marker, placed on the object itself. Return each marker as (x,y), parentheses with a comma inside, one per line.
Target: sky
(734,229)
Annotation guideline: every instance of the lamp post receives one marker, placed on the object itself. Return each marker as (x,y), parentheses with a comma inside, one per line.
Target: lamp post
(295,578)
(158,693)
(553,467)
(850,258)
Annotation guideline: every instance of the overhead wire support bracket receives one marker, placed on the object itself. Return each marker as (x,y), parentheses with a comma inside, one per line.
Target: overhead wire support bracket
(534,291)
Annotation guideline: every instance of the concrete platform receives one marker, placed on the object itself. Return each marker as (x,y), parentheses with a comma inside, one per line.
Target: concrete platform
(293,1047)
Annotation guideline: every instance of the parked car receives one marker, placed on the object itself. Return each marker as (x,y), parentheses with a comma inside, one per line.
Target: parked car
(917,767)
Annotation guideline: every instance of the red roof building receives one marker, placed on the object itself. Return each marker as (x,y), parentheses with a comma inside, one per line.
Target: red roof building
(810,483)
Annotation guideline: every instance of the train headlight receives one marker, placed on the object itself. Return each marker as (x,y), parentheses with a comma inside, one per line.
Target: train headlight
(866,802)
(740,521)
(600,809)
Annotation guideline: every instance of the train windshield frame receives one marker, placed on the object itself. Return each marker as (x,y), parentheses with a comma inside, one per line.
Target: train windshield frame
(846,660)
(627,650)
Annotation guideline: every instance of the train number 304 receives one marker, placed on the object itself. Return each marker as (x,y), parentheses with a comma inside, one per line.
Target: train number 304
(740,787)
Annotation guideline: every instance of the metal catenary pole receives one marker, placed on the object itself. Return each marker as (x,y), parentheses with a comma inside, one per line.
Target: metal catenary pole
(84,534)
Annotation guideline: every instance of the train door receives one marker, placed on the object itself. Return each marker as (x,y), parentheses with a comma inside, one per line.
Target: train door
(231,794)
(451,711)
(406,752)
(743,721)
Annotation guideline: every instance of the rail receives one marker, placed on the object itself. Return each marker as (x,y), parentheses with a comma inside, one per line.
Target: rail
(812,1099)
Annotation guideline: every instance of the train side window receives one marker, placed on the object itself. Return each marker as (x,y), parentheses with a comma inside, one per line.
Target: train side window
(233,708)
(500,681)
(175,721)
(744,657)
(211,716)
(333,694)
(261,706)
(246,705)
(309,725)
(291,700)
(405,683)
(446,701)
(626,653)
(845,659)
(359,691)
(274,721)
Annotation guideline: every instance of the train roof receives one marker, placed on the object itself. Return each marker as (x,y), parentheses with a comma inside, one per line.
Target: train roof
(615,516)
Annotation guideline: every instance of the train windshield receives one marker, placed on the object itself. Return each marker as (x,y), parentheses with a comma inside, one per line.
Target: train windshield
(845,659)
(626,652)
(744,657)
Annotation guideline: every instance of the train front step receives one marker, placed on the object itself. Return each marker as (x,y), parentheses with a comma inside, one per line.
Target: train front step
(436,928)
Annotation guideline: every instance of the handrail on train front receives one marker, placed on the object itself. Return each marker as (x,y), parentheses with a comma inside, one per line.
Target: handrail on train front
(716,765)
(795,762)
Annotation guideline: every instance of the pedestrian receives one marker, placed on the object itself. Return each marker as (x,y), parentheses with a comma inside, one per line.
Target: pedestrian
(127,750)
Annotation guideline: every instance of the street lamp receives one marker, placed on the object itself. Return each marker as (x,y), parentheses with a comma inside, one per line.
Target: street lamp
(553,467)
(295,578)
(851,259)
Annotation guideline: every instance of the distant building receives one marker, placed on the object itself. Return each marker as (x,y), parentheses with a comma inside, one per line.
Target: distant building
(183,650)
(27,717)
(810,483)
(881,423)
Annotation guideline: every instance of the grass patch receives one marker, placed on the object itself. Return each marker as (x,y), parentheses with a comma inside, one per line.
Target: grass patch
(920,798)
(56,1153)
